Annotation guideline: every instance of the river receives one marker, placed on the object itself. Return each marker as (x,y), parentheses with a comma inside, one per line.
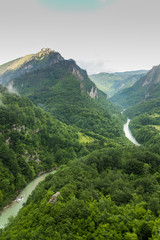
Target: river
(128,133)
(14,207)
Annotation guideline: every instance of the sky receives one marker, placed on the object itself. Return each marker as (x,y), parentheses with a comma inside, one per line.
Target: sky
(100,35)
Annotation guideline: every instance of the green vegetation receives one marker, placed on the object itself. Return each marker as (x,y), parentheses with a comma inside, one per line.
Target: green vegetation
(66,96)
(145,122)
(110,83)
(84,139)
(151,106)
(130,96)
(30,142)
(109,188)
(44,58)
(145,89)
(156,127)
(112,193)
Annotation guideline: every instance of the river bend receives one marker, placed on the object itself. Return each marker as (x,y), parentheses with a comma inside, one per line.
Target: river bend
(128,133)
(15,206)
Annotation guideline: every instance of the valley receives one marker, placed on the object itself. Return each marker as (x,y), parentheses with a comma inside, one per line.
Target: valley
(16,205)
(107,183)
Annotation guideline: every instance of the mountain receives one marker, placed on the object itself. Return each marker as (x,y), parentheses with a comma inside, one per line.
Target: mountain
(142,101)
(147,88)
(46,57)
(65,91)
(110,83)
(104,186)
(31,141)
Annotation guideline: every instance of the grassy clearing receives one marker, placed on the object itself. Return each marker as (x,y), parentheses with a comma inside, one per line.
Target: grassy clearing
(156,127)
(155,115)
(84,138)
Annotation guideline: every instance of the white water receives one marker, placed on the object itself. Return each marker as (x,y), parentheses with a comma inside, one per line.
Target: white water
(15,206)
(128,133)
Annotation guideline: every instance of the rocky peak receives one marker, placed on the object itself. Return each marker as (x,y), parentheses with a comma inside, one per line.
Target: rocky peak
(46,50)
(77,73)
(152,77)
(45,58)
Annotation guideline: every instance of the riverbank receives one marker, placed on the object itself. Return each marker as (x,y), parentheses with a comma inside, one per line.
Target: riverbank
(13,208)
(17,195)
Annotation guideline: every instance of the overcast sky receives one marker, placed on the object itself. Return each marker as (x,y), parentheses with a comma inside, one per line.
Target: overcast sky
(101,35)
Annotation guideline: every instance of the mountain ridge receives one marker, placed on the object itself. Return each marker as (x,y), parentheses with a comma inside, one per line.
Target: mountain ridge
(110,83)
(146,88)
(28,63)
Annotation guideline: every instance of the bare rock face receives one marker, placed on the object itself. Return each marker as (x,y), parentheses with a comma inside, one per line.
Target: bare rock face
(77,73)
(153,76)
(46,57)
(93,93)
(53,199)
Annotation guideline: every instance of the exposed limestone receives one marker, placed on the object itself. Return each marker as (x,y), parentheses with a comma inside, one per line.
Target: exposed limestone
(147,95)
(53,199)
(28,66)
(93,93)
(77,73)
(7,141)
(153,76)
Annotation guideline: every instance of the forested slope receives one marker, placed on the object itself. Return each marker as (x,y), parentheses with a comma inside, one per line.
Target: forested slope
(30,142)
(110,194)
(65,91)
(145,89)
(110,83)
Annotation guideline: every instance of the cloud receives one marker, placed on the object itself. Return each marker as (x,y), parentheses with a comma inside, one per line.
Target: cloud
(95,66)
(76,5)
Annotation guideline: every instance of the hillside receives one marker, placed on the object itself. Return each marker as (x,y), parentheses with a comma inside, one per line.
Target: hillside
(110,194)
(147,88)
(104,187)
(143,107)
(66,92)
(30,142)
(46,57)
(145,123)
(110,83)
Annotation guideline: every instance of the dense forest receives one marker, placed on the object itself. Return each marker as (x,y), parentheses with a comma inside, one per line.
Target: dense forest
(111,83)
(30,142)
(66,96)
(104,186)
(112,193)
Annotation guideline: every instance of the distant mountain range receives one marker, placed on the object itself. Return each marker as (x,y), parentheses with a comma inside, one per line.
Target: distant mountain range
(146,88)
(110,83)
(142,104)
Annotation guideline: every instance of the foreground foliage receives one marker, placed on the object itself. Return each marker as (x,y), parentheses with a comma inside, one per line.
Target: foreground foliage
(112,193)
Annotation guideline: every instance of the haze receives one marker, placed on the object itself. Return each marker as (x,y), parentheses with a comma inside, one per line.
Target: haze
(101,35)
